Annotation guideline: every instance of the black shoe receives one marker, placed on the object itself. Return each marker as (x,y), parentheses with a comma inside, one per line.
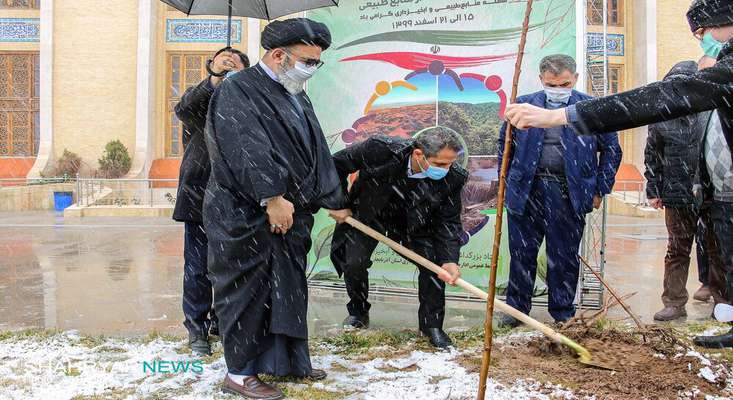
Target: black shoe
(437,337)
(317,375)
(356,322)
(214,328)
(199,345)
(506,320)
(715,342)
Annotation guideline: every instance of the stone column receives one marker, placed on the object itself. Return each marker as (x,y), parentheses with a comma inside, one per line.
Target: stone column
(45,159)
(145,101)
(253,40)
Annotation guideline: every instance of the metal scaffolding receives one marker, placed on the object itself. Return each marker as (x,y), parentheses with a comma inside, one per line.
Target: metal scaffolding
(593,247)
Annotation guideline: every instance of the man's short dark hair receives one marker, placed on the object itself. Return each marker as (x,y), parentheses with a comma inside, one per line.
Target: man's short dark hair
(556,64)
(242,56)
(432,140)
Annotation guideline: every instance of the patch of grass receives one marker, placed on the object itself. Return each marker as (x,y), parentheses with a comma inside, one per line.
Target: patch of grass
(18,383)
(110,349)
(310,393)
(336,367)
(115,394)
(723,355)
(89,341)
(603,324)
(371,344)
(500,331)
(470,337)
(32,333)
(166,337)
(695,328)
(358,342)
(389,368)
(170,393)
(216,353)
(437,378)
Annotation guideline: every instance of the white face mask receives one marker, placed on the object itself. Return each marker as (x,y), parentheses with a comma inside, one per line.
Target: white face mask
(301,72)
(294,78)
(558,95)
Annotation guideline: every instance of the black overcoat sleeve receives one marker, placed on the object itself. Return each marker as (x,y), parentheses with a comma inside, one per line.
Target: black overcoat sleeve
(193,107)
(708,89)
(365,155)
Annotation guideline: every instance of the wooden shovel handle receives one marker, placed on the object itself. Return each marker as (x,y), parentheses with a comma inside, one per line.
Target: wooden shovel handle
(526,319)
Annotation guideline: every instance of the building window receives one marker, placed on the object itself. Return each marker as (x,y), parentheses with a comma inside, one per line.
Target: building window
(19,104)
(184,70)
(615,10)
(21,4)
(615,79)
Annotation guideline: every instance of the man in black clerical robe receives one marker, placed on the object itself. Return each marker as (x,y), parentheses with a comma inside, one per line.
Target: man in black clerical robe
(271,171)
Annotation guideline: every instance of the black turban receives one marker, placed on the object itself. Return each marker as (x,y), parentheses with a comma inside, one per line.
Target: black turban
(295,31)
(710,13)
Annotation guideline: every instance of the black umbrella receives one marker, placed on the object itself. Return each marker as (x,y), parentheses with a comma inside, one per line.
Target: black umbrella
(261,9)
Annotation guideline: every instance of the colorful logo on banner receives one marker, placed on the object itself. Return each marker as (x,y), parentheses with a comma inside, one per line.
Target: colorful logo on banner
(201,30)
(398,67)
(20,29)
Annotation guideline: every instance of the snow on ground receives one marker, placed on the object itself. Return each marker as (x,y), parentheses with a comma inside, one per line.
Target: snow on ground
(42,365)
(67,365)
(712,372)
(424,376)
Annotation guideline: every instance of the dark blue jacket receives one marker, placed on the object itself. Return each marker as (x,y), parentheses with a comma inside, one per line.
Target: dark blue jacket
(587,174)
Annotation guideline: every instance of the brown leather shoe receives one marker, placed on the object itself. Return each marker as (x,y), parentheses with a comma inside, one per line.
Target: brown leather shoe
(703,294)
(670,313)
(253,388)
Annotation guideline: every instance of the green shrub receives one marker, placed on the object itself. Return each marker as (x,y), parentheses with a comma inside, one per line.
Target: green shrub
(115,161)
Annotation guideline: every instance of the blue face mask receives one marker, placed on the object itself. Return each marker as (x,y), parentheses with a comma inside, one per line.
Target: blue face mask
(229,74)
(434,173)
(710,46)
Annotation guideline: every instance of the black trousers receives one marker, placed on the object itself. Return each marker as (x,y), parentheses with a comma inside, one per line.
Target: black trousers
(197,293)
(722,215)
(351,255)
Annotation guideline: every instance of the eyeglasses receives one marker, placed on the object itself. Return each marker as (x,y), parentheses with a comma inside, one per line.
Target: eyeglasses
(309,62)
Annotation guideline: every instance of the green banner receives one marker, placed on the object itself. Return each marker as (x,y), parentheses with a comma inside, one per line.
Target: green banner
(397,67)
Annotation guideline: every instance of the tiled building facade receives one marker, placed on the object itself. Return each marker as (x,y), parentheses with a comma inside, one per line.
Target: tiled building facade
(76,74)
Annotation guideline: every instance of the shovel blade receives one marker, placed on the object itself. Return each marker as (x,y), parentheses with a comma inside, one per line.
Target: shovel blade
(584,356)
(597,364)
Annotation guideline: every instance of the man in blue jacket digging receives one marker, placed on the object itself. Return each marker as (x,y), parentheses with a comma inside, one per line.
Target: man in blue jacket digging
(555,177)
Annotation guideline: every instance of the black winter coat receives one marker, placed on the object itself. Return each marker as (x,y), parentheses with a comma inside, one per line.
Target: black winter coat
(433,208)
(258,150)
(195,167)
(672,152)
(709,89)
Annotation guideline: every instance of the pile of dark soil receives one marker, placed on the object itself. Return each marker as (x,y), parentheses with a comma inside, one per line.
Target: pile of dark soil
(647,365)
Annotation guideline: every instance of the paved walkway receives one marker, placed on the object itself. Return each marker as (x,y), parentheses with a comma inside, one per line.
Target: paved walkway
(124,276)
